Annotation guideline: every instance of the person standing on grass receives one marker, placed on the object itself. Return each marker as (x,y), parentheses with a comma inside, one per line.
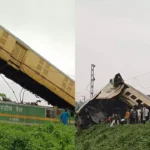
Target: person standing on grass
(134,116)
(147,113)
(139,114)
(131,116)
(127,116)
(144,114)
(64,117)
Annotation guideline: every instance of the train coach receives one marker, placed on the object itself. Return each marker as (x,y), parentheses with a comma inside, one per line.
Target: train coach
(23,65)
(30,114)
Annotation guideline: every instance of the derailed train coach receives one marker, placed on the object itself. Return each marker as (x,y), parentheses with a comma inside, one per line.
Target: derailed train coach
(115,97)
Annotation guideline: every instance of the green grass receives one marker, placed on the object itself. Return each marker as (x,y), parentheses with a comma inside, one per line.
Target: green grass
(44,137)
(125,137)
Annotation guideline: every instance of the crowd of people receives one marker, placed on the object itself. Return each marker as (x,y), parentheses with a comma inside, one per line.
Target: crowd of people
(139,115)
(136,115)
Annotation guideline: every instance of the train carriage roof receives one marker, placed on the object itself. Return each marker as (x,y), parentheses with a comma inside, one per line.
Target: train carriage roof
(28,47)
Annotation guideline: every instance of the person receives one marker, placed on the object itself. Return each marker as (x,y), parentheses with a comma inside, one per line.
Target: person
(145,114)
(134,116)
(118,118)
(139,113)
(131,116)
(114,117)
(149,113)
(64,117)
(127,116)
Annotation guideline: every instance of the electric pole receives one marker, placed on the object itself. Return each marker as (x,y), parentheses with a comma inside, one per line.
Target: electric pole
(92,80)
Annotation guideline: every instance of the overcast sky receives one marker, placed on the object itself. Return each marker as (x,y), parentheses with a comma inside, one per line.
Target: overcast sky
(115,36)
(47,26)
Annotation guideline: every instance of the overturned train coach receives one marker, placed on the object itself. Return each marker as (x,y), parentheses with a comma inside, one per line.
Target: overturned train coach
(115,97)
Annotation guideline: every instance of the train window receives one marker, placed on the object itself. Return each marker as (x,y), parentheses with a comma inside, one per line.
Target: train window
(139,101)
(133,97)
(50,113)
(127,93)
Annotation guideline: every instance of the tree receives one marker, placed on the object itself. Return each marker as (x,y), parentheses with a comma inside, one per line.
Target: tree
(3,97)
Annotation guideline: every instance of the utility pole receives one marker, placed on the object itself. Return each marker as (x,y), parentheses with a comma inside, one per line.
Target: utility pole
(92,80)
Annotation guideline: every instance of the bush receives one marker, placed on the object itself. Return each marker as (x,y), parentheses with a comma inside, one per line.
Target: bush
(36,137)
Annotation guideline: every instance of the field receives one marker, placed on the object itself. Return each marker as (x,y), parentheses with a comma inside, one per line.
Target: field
(45,137)
(123,137)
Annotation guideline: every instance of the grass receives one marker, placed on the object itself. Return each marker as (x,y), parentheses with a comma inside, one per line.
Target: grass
(121,137)
(44,137)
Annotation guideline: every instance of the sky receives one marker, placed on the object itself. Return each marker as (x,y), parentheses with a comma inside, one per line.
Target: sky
(48,26)
(115,36)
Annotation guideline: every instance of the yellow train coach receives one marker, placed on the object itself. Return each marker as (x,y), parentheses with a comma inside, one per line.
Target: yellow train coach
(23,65)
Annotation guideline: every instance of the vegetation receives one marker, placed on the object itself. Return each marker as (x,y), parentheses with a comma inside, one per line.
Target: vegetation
(44,137)
(3,97)
(121,137)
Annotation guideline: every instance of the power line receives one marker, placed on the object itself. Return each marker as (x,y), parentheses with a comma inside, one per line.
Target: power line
(20,94)
(7,81)
(143,74)
(10,87)
(23,96)
(134,78)
(141,85)
(88,86)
